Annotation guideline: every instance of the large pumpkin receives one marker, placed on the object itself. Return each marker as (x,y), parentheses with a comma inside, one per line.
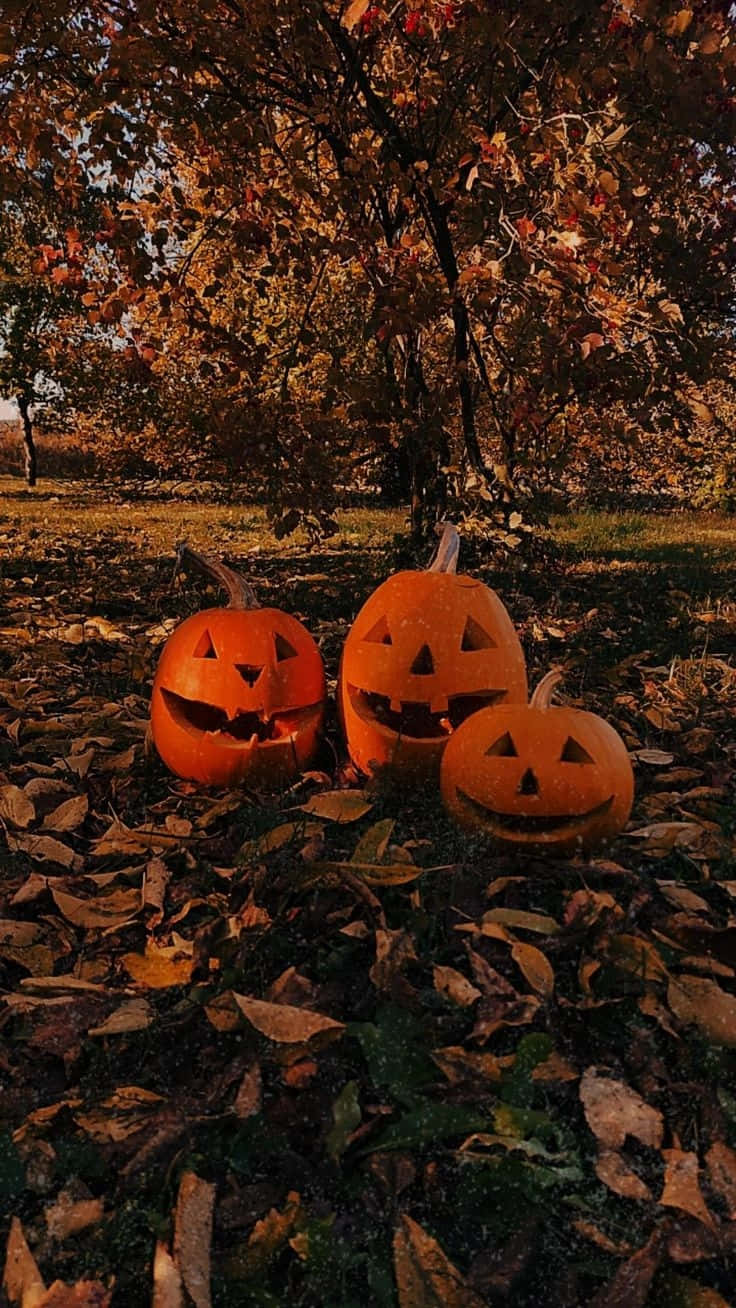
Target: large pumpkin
(555,778)
(426,650)
(239,692)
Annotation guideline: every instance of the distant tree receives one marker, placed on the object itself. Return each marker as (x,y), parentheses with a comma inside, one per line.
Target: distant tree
(43,324)
(533,205)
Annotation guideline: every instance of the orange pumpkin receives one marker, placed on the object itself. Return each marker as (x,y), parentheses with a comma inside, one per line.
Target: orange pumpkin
(553,778)
(426,650)
(239,692)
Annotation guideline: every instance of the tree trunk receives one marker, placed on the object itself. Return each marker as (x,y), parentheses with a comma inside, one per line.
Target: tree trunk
(31,464)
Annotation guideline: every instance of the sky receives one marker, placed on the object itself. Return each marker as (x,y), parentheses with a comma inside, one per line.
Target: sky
(7,410)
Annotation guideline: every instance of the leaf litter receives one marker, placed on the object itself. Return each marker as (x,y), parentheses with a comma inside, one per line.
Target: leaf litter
(290,1007)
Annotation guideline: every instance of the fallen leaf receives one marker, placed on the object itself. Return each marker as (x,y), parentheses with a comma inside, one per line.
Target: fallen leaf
(682,1187)
(721,1164)
(66,1215)
(346,1117)
(516,917)
(630,1285)
(193,1236)
(338,805)
(614,1172)
(135,1015)
(248,1099)
(15,806)
(393,950)
(270,1233)
(354,13)
(700,1001)
(284,1023)
(21,1277)
(167,1288)
(103,912)
(69,815)
(160,967)
(613,1110)
(425,1277)
(451,983)
(536,967)
(460,1065)
(44,849)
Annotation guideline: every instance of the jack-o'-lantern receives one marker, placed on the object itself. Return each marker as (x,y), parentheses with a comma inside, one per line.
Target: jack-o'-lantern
(239,692)
(553,778)
(426,650)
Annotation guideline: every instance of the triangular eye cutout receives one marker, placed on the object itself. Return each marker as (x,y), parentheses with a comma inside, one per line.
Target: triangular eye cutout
(204,649)
(250,672)
(574,753)
(504,747)
(423,665)
(379,634)
(283,649)
(474,637)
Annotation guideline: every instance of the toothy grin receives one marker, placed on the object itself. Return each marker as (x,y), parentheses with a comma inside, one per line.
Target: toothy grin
(522,825)
(244,728)
(417,720)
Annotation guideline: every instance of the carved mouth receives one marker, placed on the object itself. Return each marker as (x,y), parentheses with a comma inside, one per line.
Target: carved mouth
(246,729)
(415,719)
(537,827)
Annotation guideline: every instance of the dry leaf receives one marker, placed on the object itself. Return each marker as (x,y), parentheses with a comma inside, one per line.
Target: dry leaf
(618,1176)
(338,805)
(425,1277)
(167,1289)
(248,1099)
(516,917)
(555,1068)
(721,1164)
(66,1215)
(193,1236)
(630,1285)
(536,968)
(613,1110)
(44,849)
(103,912)
(121,1115)
(448,981)
(21,1277)
(682,1187)
(393,950)
(156,878)
(135,1015)
(459,1065)
(284,1023)
(85,1294)
(354,13)
(699,1000)
(270,1233)
(68,815)
(160,967)
(16,807)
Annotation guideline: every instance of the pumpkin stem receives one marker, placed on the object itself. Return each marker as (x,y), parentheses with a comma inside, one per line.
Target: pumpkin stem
(544,691)
(448,551)
(239,592)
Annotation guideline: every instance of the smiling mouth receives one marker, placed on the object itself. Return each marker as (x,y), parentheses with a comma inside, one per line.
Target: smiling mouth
(243,729)
(415,719)
(542,825)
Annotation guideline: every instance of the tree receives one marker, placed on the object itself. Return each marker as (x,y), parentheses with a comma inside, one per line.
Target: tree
(535,203)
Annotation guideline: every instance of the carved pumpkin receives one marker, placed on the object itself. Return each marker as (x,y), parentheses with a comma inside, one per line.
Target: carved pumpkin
(239,691)
(426,650)
(553,778)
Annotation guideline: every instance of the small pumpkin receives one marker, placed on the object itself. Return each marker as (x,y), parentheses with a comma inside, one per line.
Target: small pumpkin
(426,650)
(554,778)
(239,692)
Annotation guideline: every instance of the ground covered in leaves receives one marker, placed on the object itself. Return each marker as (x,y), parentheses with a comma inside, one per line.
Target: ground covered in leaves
(322,1048)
